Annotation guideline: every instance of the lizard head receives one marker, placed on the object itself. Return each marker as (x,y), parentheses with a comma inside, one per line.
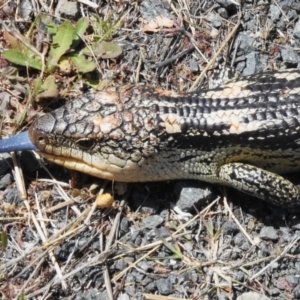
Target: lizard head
(103,134)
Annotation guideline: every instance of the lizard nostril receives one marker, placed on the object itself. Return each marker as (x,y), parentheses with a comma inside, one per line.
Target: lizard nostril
(38,138)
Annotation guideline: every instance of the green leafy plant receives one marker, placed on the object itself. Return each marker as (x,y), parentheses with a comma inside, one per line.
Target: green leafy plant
(61,43)
(64,53)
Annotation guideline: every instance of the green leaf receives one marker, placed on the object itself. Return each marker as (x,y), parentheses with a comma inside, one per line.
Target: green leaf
(80,29)
(82,64)
(17,57)
(51,28)
(22,296)
(103,50)
(48,89)
(61,44)
(3,240)
(37,83)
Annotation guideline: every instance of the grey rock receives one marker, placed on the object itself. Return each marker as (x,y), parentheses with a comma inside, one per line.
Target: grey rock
(246,43)
(189,275)
(296,6)
(152,221)
(268,233)
(149,9)
(25,9)
(190,194)
(296,32)
(123,297)
(100,296)
(138,276)
(239,276)
(12,196)
(151,287)
(121,264)
(297,266)
(5,181)
(227,4)
(263,249)
(241,241)
(124,227)
(295,250)
(286,5)
(174,277)
(274,12)
(129,278)
(91,294)
(255,63)
(252,296)
(281,25)
(226,254)
(235,255)
(188,246)
(274,292)
(230,228)
(214,19)
(289,56)
(147,280)
(138,240)
(66,8)
(292,280)
(223,12)
(263,2)
(5,163)
(241,65)
(130,290)
(145,266)
(286,235)
(163,231)
(291,14)
(296,292)
(164,286)
(194,67)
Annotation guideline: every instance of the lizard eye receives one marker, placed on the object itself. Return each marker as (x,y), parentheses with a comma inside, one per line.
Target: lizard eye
(86,143)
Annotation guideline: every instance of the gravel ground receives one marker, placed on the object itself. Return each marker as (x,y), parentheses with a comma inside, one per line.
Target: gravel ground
(225,245)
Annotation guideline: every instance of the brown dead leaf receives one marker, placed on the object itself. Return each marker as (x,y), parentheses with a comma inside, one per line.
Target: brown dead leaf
(14,43)
(157,24)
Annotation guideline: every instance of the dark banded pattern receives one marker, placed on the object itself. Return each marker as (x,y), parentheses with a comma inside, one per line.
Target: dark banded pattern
(242,134)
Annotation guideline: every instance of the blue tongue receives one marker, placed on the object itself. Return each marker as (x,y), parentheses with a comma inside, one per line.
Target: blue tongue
(17,143)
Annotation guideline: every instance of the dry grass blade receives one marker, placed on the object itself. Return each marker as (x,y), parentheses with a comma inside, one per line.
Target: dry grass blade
(212,61)
(237,222)
(122,273)
(109,242)
(59,188)
(89,3)
(19,177)
(285,250)
(51,255)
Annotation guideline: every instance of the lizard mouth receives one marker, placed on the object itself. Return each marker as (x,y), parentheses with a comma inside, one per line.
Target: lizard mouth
(22,142)
(77,165)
